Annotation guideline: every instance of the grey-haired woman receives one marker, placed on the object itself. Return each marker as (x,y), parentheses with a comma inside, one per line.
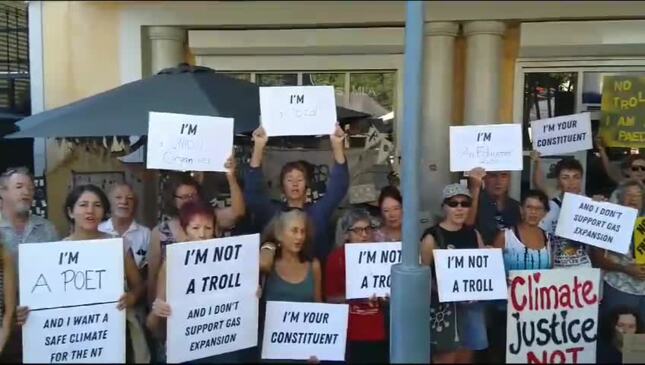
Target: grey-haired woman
(367,330)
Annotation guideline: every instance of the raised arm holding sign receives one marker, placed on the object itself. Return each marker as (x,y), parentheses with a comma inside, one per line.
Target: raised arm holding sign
(298,110)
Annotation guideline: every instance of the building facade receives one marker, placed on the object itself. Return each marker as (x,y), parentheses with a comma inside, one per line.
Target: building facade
(485,62)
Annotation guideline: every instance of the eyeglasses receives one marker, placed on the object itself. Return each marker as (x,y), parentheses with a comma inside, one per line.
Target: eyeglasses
(454,204)
(358,230)
(638,168)
(185,197)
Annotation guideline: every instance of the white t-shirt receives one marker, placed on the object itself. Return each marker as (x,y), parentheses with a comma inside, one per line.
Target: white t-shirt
(137,236)
(566,253)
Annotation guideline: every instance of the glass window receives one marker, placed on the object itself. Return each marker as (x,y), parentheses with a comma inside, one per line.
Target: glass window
(378,86)
(337,80)
(246,76)
(290,79)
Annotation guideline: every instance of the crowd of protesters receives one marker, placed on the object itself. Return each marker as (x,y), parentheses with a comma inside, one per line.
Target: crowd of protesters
(302,260)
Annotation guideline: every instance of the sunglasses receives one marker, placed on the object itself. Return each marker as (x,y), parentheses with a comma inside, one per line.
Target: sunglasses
(454,204)
(288,209)
(638,168)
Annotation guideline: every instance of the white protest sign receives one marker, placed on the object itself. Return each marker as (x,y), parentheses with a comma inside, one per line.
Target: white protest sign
(470,274)
(185,142)
(72,289)
(601,224)
(213,296)
(495,147)
(297,331)
(552,316)
(298,110)
(85,334)
(368,267)
(565,134)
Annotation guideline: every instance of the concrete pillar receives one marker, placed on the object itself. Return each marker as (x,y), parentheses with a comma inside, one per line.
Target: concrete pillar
(437,112)
(483,65)
(167,47)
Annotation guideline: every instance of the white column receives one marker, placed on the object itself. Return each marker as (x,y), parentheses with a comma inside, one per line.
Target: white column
(437,112)
(483,64)
(167,47)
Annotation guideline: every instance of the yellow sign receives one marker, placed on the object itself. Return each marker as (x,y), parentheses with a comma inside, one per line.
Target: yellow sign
(639,240)
(622,121)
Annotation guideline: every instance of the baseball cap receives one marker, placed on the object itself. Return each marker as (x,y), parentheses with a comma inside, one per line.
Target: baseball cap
(453,190)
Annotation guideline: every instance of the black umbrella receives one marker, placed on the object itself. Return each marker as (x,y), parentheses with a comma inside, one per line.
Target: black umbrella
(123,111)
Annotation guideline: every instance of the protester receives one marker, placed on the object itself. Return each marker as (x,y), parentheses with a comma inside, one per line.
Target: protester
(634,165)
(85,207)
(624,279)
(524,247)
(492,210)
(184,189)
(568,171)
(366,331)
(18,225)
(8,302)
(123,202)
(199,222)
(294,181)
(458,329)
(292,276)
(621,321)
(390,204)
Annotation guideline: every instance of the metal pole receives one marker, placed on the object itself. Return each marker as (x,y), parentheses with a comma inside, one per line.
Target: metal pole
(410,297)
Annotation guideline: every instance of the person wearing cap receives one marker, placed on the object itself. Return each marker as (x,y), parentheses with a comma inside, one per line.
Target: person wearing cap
(493,210)
(459,328)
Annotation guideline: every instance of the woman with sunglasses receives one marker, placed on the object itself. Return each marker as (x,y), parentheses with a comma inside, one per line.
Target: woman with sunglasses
(367,330)
(85,207)
(185,189)
(458,329)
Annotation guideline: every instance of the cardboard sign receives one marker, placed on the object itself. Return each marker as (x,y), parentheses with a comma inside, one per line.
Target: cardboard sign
(297,331)
(72,289)
(552,316)
(639,241)
(495,147)
(565,134)
(368,267)
(185,142)
(298,110)
(213,296)
(470,274)
(623,111)
(601,224)
(633,348)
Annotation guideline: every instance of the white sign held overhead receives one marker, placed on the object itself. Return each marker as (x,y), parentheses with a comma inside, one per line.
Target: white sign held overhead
(213,296)
(601,224)
(72,289)
(494,147)
(368,267)
(565,134)
(185,142)
(298,331)
(298,110)
(470,274)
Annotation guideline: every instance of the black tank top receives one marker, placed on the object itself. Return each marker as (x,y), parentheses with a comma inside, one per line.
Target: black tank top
(466,237)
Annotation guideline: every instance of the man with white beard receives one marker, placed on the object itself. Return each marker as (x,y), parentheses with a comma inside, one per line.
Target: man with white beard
(18,225)
(123,202)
